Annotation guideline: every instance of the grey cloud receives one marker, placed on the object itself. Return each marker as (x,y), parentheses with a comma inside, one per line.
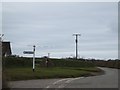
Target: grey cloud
(51,25)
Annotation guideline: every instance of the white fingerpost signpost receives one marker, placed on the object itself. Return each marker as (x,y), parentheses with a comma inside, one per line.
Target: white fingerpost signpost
(32,52)
(33,58)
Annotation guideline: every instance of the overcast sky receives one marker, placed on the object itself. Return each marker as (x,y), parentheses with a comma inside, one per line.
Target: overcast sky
(50,27)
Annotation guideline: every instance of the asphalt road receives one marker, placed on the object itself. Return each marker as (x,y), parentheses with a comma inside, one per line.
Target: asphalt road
(108,80)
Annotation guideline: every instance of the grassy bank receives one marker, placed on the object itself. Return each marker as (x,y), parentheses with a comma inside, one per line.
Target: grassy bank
(20,68)
(45,73)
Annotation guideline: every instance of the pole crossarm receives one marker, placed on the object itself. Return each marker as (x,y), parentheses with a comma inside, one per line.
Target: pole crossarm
(76,34)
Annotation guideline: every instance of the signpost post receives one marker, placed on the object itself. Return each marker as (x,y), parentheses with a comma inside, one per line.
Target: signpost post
(32,52)
(33,58)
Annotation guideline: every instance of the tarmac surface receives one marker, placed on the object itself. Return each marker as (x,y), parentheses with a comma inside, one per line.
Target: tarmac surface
(107,80)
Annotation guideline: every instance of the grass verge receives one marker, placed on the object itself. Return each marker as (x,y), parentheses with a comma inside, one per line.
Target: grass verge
(26,73)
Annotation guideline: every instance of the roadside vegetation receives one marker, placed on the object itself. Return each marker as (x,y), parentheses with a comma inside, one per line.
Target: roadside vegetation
(46,73)
(20,68)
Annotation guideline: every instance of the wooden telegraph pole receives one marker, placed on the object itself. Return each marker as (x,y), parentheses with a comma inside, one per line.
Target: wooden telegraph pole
(76,41)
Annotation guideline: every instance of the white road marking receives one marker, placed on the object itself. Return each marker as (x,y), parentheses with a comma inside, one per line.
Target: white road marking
(79,78)
(72,79)
(59,81)
(56,82)
(48,87)
(67,80)
(61,86)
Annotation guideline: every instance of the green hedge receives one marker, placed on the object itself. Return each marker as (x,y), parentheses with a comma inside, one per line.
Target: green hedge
(25,62)
(16,62)
(109,63)
(72,63)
